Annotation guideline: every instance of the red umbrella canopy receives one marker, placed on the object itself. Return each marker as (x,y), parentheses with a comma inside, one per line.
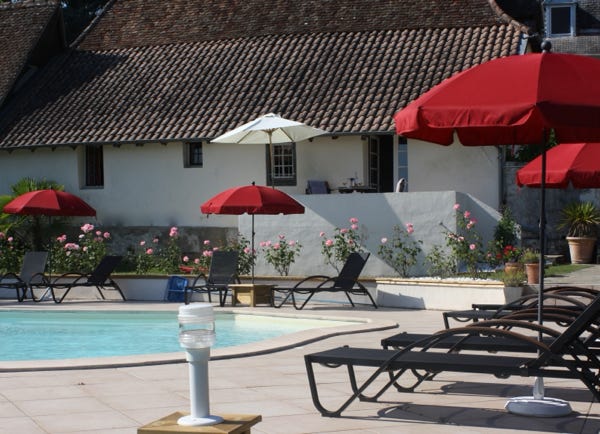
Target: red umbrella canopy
(515,99)
(49,203)
(252,199)
(577,163)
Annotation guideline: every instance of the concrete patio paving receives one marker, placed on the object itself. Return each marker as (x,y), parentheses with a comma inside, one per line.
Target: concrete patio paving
(121,399)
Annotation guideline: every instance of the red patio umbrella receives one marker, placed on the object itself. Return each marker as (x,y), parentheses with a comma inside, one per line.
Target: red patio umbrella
(577,164)
(513,100)
(252,199)
(49,203)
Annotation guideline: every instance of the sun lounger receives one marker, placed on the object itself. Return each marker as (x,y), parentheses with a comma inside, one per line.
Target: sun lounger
(565,295)
(100,278)
(565,356)
(32,268)
(221,274)
(346,282)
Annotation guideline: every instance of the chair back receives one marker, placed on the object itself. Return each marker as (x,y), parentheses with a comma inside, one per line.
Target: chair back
(317,187)
(34,263)
(223,267)
(104,269)
(351,270)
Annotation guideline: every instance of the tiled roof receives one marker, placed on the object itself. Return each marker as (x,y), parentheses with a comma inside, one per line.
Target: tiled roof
(178,21)
(343,82)
(21,26)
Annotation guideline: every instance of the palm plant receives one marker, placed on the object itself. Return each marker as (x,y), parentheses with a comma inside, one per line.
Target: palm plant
(581,219)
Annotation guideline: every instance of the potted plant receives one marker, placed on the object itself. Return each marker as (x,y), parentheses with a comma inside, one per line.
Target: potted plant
(581,220)
(531,259)
(513,284)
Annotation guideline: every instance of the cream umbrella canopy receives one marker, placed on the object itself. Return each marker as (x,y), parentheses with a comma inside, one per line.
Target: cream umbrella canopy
(271,129)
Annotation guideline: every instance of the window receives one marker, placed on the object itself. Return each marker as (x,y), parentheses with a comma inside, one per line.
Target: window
(193,155)
(402,158)
(284,164)
(560,18)
(94,166)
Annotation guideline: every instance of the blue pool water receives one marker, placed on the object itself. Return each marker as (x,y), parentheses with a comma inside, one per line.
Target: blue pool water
(39,335)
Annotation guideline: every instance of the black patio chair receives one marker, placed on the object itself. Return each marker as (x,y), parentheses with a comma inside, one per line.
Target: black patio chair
(221,274)
(100,278)
(566,356)
(32,268)
(346,282)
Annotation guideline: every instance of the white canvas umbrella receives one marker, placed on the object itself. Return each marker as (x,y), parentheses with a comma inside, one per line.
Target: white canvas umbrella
(270,128)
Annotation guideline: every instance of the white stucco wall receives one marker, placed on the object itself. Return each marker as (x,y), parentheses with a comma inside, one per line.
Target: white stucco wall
(470,169)
(377,214)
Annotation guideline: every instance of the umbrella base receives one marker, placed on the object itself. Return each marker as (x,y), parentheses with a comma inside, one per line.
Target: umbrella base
(542,407)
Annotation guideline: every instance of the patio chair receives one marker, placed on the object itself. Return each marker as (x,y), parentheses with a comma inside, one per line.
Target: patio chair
(567,295)
(317,187)
(98,278)
(346,282)
(566,356)
(221,274)
(32,268)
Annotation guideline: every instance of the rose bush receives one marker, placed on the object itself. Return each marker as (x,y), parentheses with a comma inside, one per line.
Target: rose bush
(281,254)
(345,241)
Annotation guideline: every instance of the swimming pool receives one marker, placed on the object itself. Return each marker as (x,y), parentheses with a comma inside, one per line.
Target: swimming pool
(63,334)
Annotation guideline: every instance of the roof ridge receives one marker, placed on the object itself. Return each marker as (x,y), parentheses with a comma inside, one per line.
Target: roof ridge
(508,19)
(92,24)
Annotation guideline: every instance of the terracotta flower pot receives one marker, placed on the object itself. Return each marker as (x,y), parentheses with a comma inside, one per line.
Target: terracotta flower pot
(512,267)
(581,249)
(533,273)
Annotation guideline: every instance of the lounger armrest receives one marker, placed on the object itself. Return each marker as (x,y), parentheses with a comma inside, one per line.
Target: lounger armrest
(197,278)
(39,279)
(74,280)
(11,276)
(311,278)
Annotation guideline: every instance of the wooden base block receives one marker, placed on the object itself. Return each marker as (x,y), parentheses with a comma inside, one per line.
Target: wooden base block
(232,424)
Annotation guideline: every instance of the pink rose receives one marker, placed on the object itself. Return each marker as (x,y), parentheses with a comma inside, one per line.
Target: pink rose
(197,261)
(354,227)
(276,246)
(281,236)
(87,228)
(149,251)
(456,207)
(106,235)
(321,234)
(186,259)
(292,243)
(247,250)
(410,228)
(206,242)
(173,232)
(384,240)
(472,246)
(99,233)
(467,214)
(142,243)
(343,231)
(329,243)
(262,244)
(353,220)
(155,240)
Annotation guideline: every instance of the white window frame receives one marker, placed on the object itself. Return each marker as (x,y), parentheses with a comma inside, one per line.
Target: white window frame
(549,5)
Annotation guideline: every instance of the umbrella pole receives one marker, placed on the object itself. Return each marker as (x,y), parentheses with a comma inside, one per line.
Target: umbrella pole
(252,249)
(271,159)
(538,404)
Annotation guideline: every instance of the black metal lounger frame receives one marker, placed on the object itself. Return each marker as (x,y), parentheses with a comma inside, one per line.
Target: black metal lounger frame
(567,356)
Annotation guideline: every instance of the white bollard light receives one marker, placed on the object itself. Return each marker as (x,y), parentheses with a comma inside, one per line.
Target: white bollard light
(196,336)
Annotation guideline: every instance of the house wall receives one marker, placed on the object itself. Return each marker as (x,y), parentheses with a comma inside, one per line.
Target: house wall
(431,213)
(147,189)
(471,169)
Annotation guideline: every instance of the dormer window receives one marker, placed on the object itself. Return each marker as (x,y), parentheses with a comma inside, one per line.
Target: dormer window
(560,17)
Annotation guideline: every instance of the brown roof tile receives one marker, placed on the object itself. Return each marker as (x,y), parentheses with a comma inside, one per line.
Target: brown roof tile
(341,82)
(21,27)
